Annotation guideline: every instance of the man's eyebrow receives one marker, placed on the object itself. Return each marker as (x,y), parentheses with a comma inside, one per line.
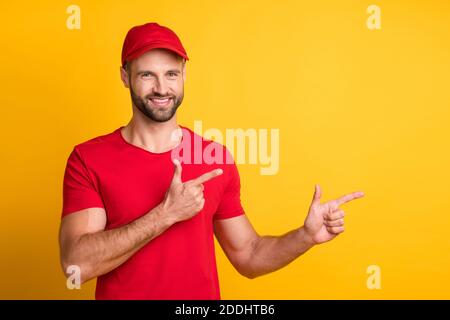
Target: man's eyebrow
(153,74)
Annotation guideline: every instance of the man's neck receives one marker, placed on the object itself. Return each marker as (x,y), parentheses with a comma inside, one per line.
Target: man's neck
(153,136)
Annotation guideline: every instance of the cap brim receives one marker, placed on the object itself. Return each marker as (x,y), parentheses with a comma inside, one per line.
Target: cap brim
(152,46)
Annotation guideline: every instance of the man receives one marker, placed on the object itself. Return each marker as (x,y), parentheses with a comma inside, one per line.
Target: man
(141,218)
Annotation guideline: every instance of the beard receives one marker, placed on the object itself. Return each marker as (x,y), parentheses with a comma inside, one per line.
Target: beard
(155,113)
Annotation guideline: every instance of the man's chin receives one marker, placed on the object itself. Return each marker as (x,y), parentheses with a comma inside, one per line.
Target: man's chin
(159,115)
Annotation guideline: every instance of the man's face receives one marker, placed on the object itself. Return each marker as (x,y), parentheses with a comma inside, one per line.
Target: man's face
(156,82)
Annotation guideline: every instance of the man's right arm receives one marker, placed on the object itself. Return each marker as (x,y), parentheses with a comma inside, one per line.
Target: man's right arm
(85,243)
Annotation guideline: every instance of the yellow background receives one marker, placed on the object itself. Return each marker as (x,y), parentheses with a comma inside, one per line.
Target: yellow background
(357,109)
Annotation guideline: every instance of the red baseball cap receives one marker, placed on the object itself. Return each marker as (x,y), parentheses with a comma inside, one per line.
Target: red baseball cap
(143,38)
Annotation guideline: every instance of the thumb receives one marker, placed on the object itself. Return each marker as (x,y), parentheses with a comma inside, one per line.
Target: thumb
(177,172)
(317,195)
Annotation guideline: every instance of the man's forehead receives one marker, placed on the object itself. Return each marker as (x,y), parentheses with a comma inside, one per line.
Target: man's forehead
(158,59)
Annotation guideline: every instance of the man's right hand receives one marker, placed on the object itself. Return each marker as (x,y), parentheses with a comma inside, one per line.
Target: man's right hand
(185,200)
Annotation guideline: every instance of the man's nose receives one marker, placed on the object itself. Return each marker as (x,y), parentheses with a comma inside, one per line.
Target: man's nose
(161,87)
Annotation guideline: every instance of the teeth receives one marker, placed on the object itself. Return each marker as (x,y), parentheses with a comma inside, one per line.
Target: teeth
(161,101)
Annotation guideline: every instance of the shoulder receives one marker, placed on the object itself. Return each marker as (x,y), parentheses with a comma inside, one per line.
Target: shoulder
(98,146)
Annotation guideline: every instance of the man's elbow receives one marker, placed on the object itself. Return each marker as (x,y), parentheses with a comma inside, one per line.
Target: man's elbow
(247,272)
(250,275)
(245,263)
(75,270)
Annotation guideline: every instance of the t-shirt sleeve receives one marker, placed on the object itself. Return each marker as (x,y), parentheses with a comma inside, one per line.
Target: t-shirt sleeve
(79,191)
(230,205)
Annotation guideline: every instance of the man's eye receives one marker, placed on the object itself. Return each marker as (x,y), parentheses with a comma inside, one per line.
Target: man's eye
(146,74)
(172,74)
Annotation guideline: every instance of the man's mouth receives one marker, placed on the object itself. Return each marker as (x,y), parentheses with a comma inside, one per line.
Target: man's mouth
(160,102)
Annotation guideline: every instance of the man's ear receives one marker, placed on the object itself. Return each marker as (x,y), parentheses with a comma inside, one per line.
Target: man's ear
(124,76)
(184,72)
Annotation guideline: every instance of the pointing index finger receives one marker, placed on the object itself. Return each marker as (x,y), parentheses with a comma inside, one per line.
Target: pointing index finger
(349,197)
(207,176)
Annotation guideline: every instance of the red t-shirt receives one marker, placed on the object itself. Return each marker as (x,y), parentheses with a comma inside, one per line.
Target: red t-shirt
(128,181)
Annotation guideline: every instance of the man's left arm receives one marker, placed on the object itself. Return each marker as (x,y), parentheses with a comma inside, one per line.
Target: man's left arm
(253,255)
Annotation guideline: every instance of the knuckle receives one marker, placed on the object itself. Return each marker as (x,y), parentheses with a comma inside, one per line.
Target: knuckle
(200,205)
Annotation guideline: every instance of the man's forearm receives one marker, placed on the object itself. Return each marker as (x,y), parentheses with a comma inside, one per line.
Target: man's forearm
(100,252)
(270,253)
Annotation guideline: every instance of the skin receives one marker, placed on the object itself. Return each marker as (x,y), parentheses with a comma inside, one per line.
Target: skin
(85,242)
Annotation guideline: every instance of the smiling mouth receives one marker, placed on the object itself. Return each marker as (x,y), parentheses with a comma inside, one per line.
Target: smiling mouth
(160,102)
